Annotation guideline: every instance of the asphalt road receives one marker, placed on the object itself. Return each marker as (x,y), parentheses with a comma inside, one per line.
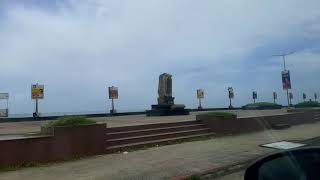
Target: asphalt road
(239,175)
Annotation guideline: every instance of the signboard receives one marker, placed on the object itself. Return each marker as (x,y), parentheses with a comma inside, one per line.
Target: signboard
(4,95)
(290,95)
(286,83)
(37,91)
(113,92)
(200,93)
(231,94)
(304,96)
(275,96)
(254,95)
(4,113)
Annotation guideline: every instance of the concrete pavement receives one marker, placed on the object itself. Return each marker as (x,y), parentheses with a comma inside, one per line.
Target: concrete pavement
(22,128)
(168,162)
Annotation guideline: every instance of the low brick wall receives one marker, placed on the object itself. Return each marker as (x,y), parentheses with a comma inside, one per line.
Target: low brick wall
(60,144)
(225,126)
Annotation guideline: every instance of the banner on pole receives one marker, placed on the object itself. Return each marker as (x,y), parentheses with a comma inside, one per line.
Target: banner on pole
(200,93)
(231,93)
(37,91)
(304,96)
(113,92)
(254,95)
(286,82)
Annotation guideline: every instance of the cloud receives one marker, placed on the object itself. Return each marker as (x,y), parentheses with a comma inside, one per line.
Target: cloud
(78,48)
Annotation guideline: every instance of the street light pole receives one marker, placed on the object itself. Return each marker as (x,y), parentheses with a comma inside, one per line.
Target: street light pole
(284,68)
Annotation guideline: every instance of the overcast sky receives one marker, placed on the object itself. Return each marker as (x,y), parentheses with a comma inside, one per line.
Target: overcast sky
(78,48)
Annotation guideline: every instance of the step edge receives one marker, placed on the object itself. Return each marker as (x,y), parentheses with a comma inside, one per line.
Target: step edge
(152,129)
(158,141)
(159,134)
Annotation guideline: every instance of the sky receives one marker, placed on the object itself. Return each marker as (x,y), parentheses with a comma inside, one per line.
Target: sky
(77,48)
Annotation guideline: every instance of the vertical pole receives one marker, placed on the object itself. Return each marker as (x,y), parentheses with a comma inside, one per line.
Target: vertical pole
(8,107)
(284,67)
(230,103)
(289,101)
(284,62)
(7,104)
(112,104)
(200,106)
(274,100)
(36,106)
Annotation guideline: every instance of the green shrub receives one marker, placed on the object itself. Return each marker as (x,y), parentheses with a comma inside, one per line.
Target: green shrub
(307,104)
(262,105)
(70,121)
(221,114)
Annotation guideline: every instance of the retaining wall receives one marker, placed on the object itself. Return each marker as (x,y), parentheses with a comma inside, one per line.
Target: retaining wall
(59,144)
(225,126)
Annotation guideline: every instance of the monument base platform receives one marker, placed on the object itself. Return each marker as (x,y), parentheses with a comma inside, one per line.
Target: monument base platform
(167,110)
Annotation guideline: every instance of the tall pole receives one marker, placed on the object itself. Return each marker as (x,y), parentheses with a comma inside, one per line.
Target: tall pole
(112,104)
(200,106)
(36,106)
(284,68)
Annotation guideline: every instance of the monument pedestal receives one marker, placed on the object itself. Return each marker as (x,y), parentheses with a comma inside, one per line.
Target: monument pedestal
(167,110)
(166,106)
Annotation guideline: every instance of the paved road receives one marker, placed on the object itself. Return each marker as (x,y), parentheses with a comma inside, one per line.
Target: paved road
(21,128)
(167,162)
(239,175)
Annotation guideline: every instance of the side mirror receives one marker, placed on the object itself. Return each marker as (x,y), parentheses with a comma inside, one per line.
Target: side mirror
(295,164)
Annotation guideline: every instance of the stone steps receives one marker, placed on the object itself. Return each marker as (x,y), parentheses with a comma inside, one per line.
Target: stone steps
(129,137)
(126,147)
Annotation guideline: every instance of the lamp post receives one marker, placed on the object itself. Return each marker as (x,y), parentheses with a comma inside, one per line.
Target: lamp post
(285,76)
(254,96)
(200,95)
(113,94)
(37,92)
(275,96)
(290,98)
(231,96)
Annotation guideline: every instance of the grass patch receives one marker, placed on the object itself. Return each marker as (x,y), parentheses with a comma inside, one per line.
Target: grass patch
(262,105)
(70,121)
(307,104)
(220,114)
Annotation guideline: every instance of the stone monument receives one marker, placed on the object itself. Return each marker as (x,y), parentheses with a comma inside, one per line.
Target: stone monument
(166,106)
